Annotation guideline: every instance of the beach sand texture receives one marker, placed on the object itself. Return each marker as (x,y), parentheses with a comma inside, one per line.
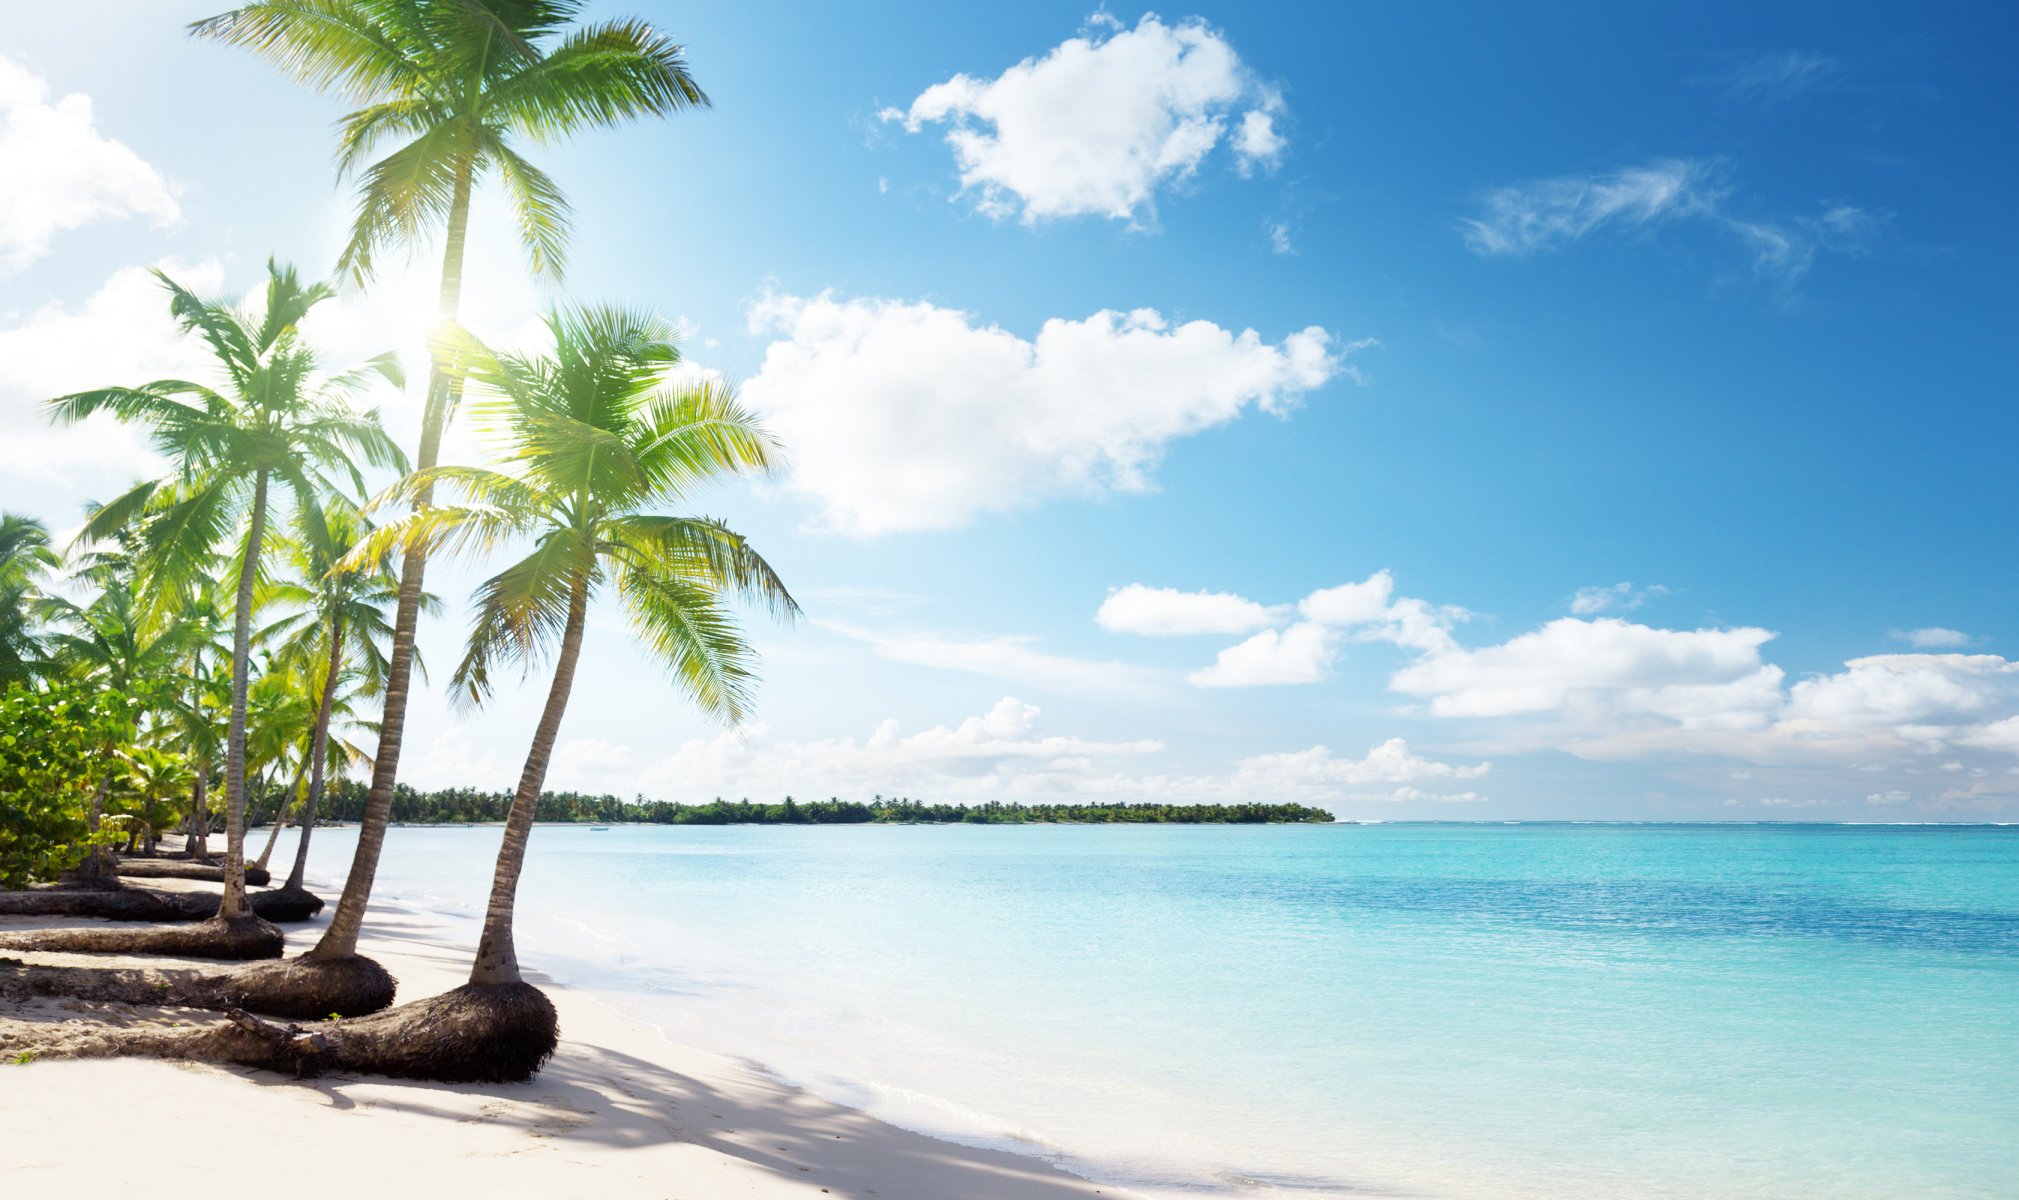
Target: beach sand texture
(620,1112)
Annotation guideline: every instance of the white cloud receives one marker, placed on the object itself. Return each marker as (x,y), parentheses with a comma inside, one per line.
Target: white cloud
(1933,637)
(1548,214)
(1317,774)
(909,416)
(1704,676)
(1910,693)
(992,755)
(1257,141)
(1618,597)
(1281,240)
(120,334)
(1303,653)
(1103,121)
(1013,659)
(1165,612)
(1889,799)
(61,173)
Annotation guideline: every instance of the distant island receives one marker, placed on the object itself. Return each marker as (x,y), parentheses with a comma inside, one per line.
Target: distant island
(461,806)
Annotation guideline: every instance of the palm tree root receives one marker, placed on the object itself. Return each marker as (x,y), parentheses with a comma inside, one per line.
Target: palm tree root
(141,904)
(236,938)
(478,1033)
(169,868)
(292,987)
(120,904)
(286,904)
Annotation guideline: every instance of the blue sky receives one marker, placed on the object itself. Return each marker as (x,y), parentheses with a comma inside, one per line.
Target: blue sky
(1653,356)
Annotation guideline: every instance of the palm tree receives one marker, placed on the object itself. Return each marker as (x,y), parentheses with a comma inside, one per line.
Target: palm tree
(154,776)
(595,438)
(335,636)
(25,557)
(274,422)
(455,82)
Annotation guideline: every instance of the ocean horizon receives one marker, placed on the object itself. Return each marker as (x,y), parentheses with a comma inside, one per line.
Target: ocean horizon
(1405,1009)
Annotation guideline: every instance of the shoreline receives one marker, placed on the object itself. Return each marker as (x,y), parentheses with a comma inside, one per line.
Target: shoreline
(623,1108)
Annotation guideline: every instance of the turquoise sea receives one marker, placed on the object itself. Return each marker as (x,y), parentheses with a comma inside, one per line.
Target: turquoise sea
(1424,1011)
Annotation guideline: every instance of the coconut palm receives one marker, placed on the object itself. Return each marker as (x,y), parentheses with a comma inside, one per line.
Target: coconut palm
(455,83)
(155,778)
(335,637)
(595,439)
(272,422)
(25,557)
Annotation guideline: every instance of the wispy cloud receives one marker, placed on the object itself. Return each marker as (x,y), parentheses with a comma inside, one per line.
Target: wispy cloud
(1769,80)
(1932,637)
(1546,215)
(1617,597)
(1012,659)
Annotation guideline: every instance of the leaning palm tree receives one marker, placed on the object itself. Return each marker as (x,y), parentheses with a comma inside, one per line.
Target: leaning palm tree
(455,83)
(595,440)
(273,422)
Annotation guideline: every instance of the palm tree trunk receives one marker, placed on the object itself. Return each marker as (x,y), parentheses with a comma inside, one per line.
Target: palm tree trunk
(197,843)
(497,960)
(340,940)
(318,752)
(234,756)
(280,817)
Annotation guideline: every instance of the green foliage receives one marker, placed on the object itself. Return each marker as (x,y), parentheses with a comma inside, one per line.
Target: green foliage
(596,435)
(53,751)
(451,85)
(458,806)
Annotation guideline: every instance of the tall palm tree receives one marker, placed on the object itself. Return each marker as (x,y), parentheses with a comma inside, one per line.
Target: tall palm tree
(455,83)
(273,421)
(25,557)
(595,439)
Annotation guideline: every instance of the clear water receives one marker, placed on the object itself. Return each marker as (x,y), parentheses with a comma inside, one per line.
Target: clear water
(1332,1011)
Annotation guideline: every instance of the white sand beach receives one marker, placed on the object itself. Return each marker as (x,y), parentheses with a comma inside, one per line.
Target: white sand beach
(620,1112)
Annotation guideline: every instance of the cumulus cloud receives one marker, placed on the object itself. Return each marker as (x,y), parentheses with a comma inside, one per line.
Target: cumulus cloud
(1296,644)
(909,416)
(994,754)
(1303,653)
(1544,215)
(1166,612)
(1933,637)
(1101,122)
(121,333)
(1604,687)
(62,173)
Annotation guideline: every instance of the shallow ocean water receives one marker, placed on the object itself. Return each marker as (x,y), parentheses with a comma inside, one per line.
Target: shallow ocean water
(1526,1010)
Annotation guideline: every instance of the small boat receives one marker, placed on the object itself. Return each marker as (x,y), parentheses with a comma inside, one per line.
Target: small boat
(599,829)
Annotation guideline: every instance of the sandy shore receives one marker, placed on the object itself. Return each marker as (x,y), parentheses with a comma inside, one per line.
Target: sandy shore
(620,1112)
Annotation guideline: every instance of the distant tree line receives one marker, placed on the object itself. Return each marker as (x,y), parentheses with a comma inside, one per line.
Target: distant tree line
(458,806)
